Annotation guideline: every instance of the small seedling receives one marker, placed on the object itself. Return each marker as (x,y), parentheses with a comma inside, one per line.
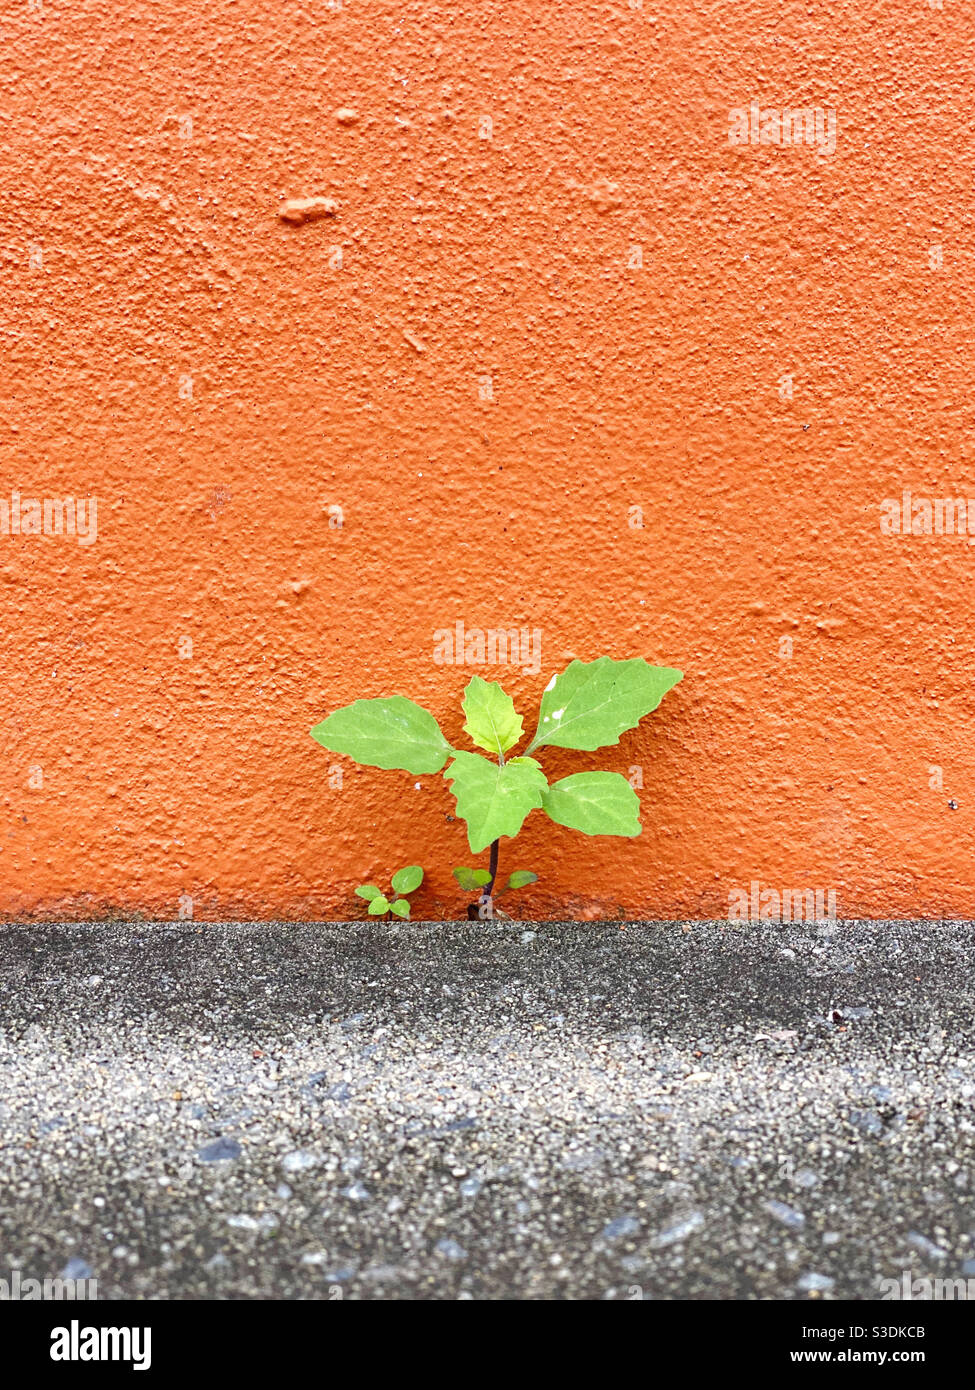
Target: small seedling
(404,881)
(588,706)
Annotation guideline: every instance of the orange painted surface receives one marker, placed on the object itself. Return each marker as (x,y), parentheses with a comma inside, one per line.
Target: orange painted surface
(486,381)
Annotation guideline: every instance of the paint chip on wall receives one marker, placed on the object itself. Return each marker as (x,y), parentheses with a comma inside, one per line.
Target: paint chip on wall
(299,210)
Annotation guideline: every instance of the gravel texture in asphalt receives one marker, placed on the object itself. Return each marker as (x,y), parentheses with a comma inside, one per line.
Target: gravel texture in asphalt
(471,1110)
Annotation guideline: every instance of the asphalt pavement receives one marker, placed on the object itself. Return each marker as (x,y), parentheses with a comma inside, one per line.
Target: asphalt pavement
(471,1110)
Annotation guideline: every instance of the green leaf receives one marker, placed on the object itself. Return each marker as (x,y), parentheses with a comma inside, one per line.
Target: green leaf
(386,733)
(592,702)
(597,803)
(378,905)
(401,907)
(406,880)
(368,891)
(522,877)
(472,879)
(492,721)
(494,800)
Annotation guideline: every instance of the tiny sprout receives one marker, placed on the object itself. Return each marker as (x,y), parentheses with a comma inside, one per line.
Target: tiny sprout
(403,881)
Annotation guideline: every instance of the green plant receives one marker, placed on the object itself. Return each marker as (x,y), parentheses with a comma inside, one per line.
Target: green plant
(476,880)
(588,706)
(404,881)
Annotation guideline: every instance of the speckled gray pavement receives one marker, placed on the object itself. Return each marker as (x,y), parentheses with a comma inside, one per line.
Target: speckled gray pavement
(466,1110)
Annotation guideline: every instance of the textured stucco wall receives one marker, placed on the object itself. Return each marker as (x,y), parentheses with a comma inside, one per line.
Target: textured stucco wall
(487,382)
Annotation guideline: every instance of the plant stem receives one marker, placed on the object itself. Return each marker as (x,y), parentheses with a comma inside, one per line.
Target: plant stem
(492,867)
(486,899)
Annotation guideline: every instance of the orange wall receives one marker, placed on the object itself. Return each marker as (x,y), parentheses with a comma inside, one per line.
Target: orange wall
(147,150)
